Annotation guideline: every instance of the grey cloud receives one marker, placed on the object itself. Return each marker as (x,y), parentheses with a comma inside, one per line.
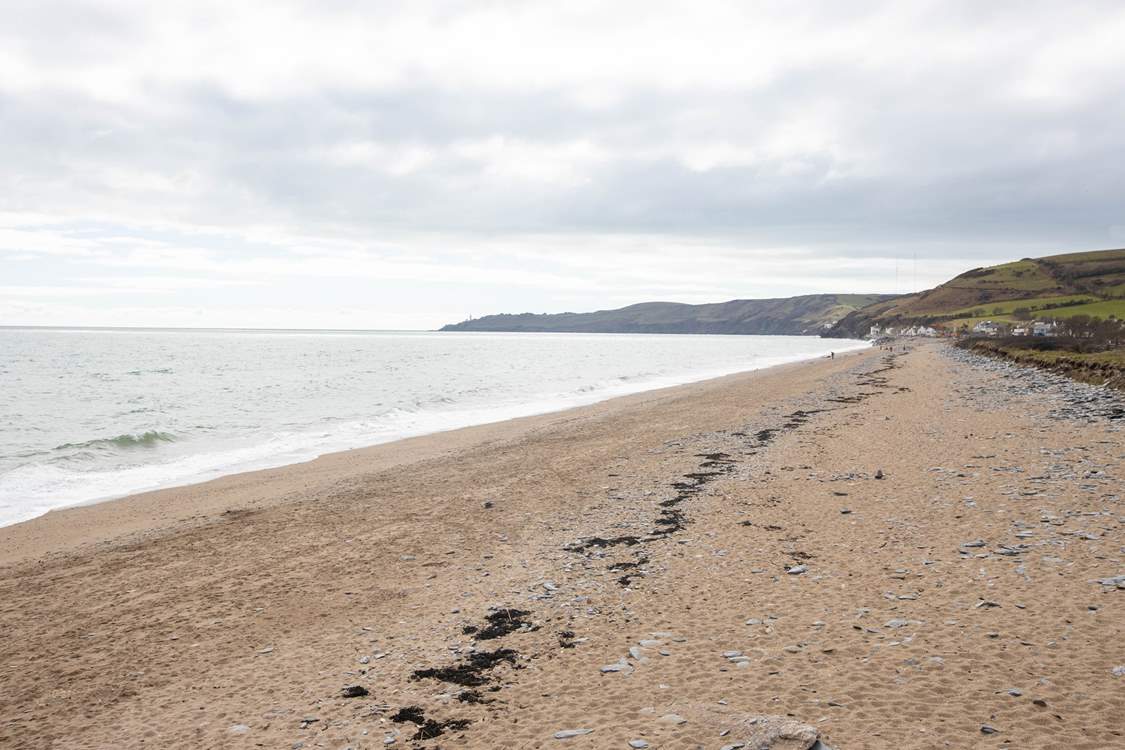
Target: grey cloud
(943,154)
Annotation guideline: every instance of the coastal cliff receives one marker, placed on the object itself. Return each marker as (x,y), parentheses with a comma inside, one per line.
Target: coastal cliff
(805,315)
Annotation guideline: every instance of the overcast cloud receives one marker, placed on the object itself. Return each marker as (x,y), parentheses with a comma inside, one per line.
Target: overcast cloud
(400,165)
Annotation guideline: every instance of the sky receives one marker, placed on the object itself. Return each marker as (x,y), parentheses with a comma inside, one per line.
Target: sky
(358,164)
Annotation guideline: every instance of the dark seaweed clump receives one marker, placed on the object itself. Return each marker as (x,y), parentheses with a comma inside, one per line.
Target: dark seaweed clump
(471,672)
(602,543)
(427,728)
(503,622)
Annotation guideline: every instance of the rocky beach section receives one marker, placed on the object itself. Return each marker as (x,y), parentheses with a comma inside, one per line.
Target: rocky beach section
(914,549)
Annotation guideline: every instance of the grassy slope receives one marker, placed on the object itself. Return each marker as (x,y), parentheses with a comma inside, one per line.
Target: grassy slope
(1095,276)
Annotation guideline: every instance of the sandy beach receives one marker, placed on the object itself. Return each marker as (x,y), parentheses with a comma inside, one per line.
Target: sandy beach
(922,549)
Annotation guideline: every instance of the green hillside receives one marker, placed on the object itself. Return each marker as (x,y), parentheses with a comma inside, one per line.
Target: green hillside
(1058,286)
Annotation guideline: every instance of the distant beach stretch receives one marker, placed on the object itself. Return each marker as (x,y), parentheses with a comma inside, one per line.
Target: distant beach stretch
(917,548)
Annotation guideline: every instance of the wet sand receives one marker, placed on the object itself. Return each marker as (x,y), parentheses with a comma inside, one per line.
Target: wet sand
(661,567)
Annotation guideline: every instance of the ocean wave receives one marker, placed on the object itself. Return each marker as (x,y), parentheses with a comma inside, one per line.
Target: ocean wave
(144,440)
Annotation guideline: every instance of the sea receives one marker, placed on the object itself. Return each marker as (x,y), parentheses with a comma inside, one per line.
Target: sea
(93,414)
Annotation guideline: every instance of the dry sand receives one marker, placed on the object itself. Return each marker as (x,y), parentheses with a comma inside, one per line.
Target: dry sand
(650,536)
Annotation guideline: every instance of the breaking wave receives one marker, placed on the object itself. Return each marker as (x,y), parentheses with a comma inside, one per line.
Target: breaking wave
(144,440)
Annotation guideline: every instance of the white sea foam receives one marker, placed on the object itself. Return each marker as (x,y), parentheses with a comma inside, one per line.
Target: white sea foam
(92,415)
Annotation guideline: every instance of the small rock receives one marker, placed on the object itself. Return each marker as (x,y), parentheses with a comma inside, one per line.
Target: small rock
(973,543)
(1119,671)
(638,744)
(239,729)
(566,734)
(486,504)
(879,474)
(797,570)
(354,691)
(986,729)
(621,666)
(672,719)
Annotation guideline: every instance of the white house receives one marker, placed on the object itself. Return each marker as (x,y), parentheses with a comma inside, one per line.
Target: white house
(987,328)
(1043,327)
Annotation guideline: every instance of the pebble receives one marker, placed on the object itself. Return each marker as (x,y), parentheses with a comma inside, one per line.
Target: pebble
(565,734)
(1119,671)
(672,719)
(638,744)
(797,570)
(239,729)
(986,729)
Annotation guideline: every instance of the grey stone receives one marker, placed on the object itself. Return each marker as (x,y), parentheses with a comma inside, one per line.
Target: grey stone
(565,734)
(638,744)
